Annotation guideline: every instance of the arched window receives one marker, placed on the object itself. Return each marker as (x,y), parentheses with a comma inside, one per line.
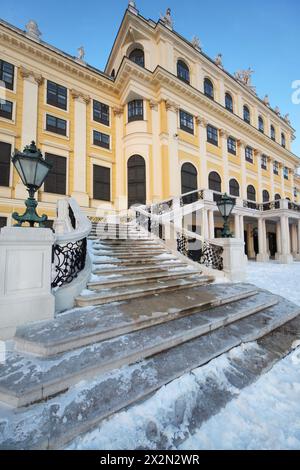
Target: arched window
(214,181)
(136,180)
(113,73)
(135,110)
(189,182)
(137,56)
(277,197)
(251,193)
(183,71)
(261,124)
(208,88)
(283,139)
(246,114)
(234,188)
(266,196)
(229,102)
(272,132)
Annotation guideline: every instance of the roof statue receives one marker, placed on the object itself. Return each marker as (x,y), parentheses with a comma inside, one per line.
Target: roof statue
(277,111)
(32,30)
(167,19)
(287,118)
(244,76)
(132,4)
(196,43)
(218,60)
(266,100)
(81,53)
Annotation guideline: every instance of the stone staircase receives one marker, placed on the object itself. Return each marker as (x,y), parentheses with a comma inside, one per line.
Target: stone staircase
(146,318)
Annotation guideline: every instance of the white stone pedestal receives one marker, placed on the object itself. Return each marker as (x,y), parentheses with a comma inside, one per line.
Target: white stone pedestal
(262,257)
(285,259)
(234,259)
(25,277)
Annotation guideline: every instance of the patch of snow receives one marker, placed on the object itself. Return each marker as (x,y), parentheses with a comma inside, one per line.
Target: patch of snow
(281,279)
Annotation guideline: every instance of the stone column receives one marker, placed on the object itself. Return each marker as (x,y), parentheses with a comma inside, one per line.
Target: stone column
(251,252)
(298,237)
(294,236)
(237,226)
(224,136)
(31,83)
(262,251)
(242,146)
(242,227)
(285,256)
(174,173)
(278,240)
(272,193)
(282,178)
(202,150)
(205,231)
(80,155)
(211,223)
(259,179)
(156,153)
(119,167)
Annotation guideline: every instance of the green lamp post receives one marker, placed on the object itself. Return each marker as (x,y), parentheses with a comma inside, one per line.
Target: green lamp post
(225,205)
(33,170)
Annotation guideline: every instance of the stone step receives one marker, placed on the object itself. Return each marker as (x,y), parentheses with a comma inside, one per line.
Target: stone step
(129,250)
(26,380)
(131,254)
(84,326)
(104,296)
(138,261)
(107,269)
(62,418)
(134,279)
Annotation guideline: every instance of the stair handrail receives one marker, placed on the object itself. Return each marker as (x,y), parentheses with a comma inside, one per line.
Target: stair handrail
(69,252)
(207,253)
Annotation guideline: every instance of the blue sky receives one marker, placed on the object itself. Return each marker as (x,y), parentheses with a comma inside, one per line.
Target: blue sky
(264,34)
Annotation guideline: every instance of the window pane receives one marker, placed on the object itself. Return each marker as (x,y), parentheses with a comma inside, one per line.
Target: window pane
(56,95)
(56,179)
(5,158)
(6,108)
(101,112)
(7,74)
(186,121)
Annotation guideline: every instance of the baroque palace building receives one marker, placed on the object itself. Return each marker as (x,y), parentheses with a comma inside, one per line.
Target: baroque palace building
(162,119)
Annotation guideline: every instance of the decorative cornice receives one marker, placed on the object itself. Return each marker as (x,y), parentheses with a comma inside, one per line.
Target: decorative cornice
(79,96)
(30,75)
(171,106)
(153,104)
(118,111)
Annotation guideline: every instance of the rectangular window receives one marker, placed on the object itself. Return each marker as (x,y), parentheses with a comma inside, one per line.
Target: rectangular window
(100,139)
(186,122)
(57,125)
(101,112)
(56,95)
(264,161)
(135,110)
(212,135)
(6,109)
(275,168)
(56,180)
(249,154)
(7,71)
(231,145)
(5,159)
(101,183)
(3,222)
(286,173)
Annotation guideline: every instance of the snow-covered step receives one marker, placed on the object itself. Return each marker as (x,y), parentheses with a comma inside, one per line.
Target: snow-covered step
(137,260)
(114,269)
(53,424)
(25,380)
(124,254)
(84,326)
(140,290)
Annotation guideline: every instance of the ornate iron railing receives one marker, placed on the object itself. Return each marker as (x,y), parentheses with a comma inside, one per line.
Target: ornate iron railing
(251,205)
(190,198)
(293,206)
(68,260)
(205,253)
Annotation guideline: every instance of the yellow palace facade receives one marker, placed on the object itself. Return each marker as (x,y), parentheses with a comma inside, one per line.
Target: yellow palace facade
(162,119)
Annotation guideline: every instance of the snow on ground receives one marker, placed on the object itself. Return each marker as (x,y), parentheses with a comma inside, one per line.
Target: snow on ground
(281,279)
(265,415)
